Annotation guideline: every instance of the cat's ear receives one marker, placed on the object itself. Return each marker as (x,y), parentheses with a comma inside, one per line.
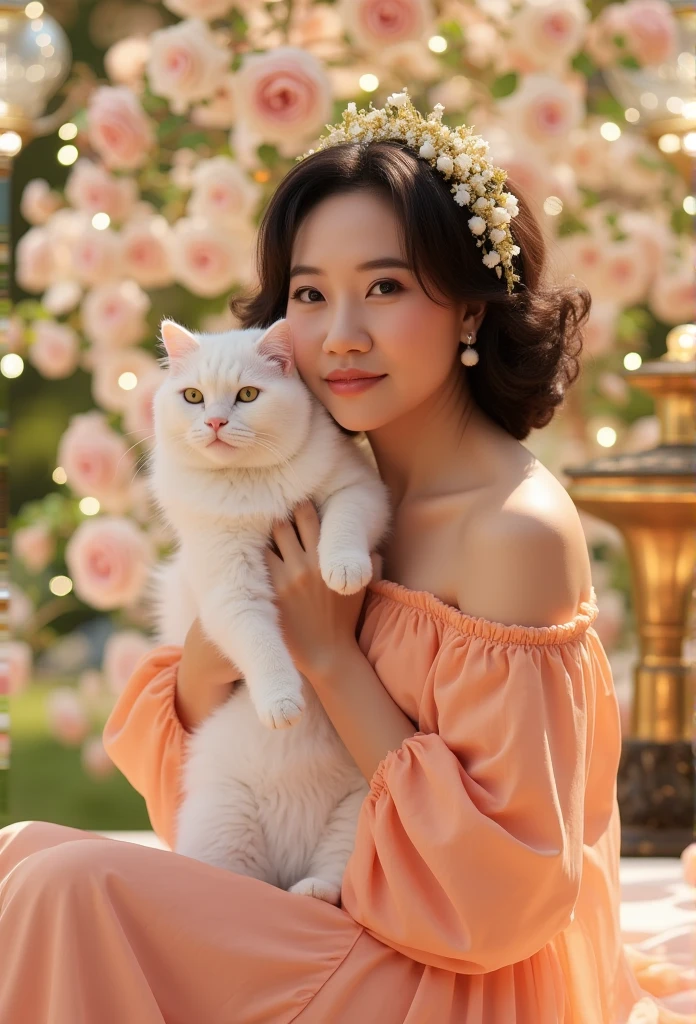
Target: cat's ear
(178,342)
(276,345)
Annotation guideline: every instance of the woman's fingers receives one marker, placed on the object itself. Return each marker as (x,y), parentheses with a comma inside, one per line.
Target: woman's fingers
(308,525)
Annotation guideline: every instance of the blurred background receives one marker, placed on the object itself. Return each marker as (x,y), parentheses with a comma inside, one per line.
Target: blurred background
(150,139)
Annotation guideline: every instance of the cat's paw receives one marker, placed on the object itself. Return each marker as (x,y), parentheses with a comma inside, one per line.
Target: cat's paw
(281,712)
(346,572)
(319,889)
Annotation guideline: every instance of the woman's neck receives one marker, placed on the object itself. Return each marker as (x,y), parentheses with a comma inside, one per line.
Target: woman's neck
(437,445)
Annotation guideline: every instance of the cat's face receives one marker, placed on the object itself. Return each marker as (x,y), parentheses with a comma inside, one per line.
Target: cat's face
(231,400)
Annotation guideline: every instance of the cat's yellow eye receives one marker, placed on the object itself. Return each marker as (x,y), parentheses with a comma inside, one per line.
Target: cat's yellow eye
(193,395)
(248,394)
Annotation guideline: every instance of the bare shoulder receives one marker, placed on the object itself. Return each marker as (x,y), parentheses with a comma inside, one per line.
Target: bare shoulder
(523,557)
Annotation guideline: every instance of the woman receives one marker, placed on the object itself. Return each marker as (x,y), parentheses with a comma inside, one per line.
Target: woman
(476,698)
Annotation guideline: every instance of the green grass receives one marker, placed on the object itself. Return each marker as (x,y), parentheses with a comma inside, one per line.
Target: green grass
(46,781)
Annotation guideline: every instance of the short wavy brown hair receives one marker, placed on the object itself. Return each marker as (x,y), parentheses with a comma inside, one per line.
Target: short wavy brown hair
(529,342)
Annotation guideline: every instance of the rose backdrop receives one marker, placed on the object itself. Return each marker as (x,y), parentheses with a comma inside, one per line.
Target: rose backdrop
(178,155)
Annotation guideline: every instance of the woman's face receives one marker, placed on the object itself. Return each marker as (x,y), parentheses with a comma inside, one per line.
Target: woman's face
(376,319)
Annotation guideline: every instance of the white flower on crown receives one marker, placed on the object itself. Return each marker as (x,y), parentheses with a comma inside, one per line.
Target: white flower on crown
(457,154)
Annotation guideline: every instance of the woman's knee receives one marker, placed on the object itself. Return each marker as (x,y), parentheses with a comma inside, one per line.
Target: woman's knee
(24,839)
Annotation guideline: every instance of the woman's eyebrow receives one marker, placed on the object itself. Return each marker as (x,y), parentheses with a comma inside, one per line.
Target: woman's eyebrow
(382,261)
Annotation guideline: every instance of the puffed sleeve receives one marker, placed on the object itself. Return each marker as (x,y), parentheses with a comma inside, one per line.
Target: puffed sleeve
(469,845)
(145,739)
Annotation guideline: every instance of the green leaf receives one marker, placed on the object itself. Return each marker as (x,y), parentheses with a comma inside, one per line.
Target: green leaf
(269,154)
(583,63)
(505,85)
(631,63)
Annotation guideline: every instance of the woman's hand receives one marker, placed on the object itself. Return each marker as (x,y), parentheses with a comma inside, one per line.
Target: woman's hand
(205,678)
(318,624)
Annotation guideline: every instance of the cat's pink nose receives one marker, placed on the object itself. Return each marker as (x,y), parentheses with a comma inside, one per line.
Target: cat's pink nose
(215,422)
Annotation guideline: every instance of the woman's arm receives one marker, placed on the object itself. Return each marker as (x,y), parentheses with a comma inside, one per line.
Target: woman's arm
(364,715)
(205,679)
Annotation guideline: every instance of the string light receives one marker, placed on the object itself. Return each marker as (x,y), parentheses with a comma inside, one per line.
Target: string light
(606,437)
(438,44)
(632,360)
(60,586)
(101,221)
(368,83)
(11,365)
(553,206)
(68,131)
(668,143)
(127,381)
(10,143)
(689,205)
(89,506)
(67,155)
(632,115)
(610,131)
(59,475)
(34,9)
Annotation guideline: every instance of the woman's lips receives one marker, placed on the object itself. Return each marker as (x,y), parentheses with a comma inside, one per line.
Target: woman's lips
(355,386)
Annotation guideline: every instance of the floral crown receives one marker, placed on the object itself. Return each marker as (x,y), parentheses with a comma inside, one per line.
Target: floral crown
(459,156)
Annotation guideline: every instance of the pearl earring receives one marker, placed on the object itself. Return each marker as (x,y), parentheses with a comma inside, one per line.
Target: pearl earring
(469,357)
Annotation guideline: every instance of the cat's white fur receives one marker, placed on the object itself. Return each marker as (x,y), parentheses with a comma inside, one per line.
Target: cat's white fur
(260,798)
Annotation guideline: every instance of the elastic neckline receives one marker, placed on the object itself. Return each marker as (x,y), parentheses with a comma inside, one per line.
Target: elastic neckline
(426,602)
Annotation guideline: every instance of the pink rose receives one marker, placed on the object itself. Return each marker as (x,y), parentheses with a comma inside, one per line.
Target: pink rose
(35,260)
(626,275)
(650,30)
(96,256)
(118,127)
(318,28)
(636,169)
(95,760)
(543,110)
(207,9)
(672,297)
(222,191)
(15,667)
(599,334)
(688,859)
(68,720)
(138,416)
(55,350)
(207,258)
(284,93)
(589,155)
(90,686)
(585,257)
(39,202)
(91,189)
(546,36)
(126,60)
(109,560)
(96,460)
(374,24)
(34,546)
(145,251)
(186,63)
(109,367)
(113,314)
(122,652)
(20,609)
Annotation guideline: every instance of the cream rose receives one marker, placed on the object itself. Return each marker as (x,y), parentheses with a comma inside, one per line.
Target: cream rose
(186,63)
(109,561)
(118,127)
(91,189)
(374,24)
(284,93)
(221,109)
(626,274)
(113,315)
(206,258)
(672,297)
(126,60)
(651,30)
(34,546)
(62,297)
(222,191)
(122,652)
(145,251)
(55,350)
(39,202)
(589,155)
(96,460)
(67,717)
(599,334)
(109,367)
(96,256)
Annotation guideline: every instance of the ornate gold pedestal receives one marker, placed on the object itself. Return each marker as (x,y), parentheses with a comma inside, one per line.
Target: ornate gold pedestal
(651,497)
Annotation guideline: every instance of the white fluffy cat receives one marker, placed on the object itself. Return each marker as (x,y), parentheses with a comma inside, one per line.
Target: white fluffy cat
(240,442)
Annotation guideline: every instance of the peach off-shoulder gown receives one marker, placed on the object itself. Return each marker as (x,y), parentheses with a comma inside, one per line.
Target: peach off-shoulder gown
(483,888)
